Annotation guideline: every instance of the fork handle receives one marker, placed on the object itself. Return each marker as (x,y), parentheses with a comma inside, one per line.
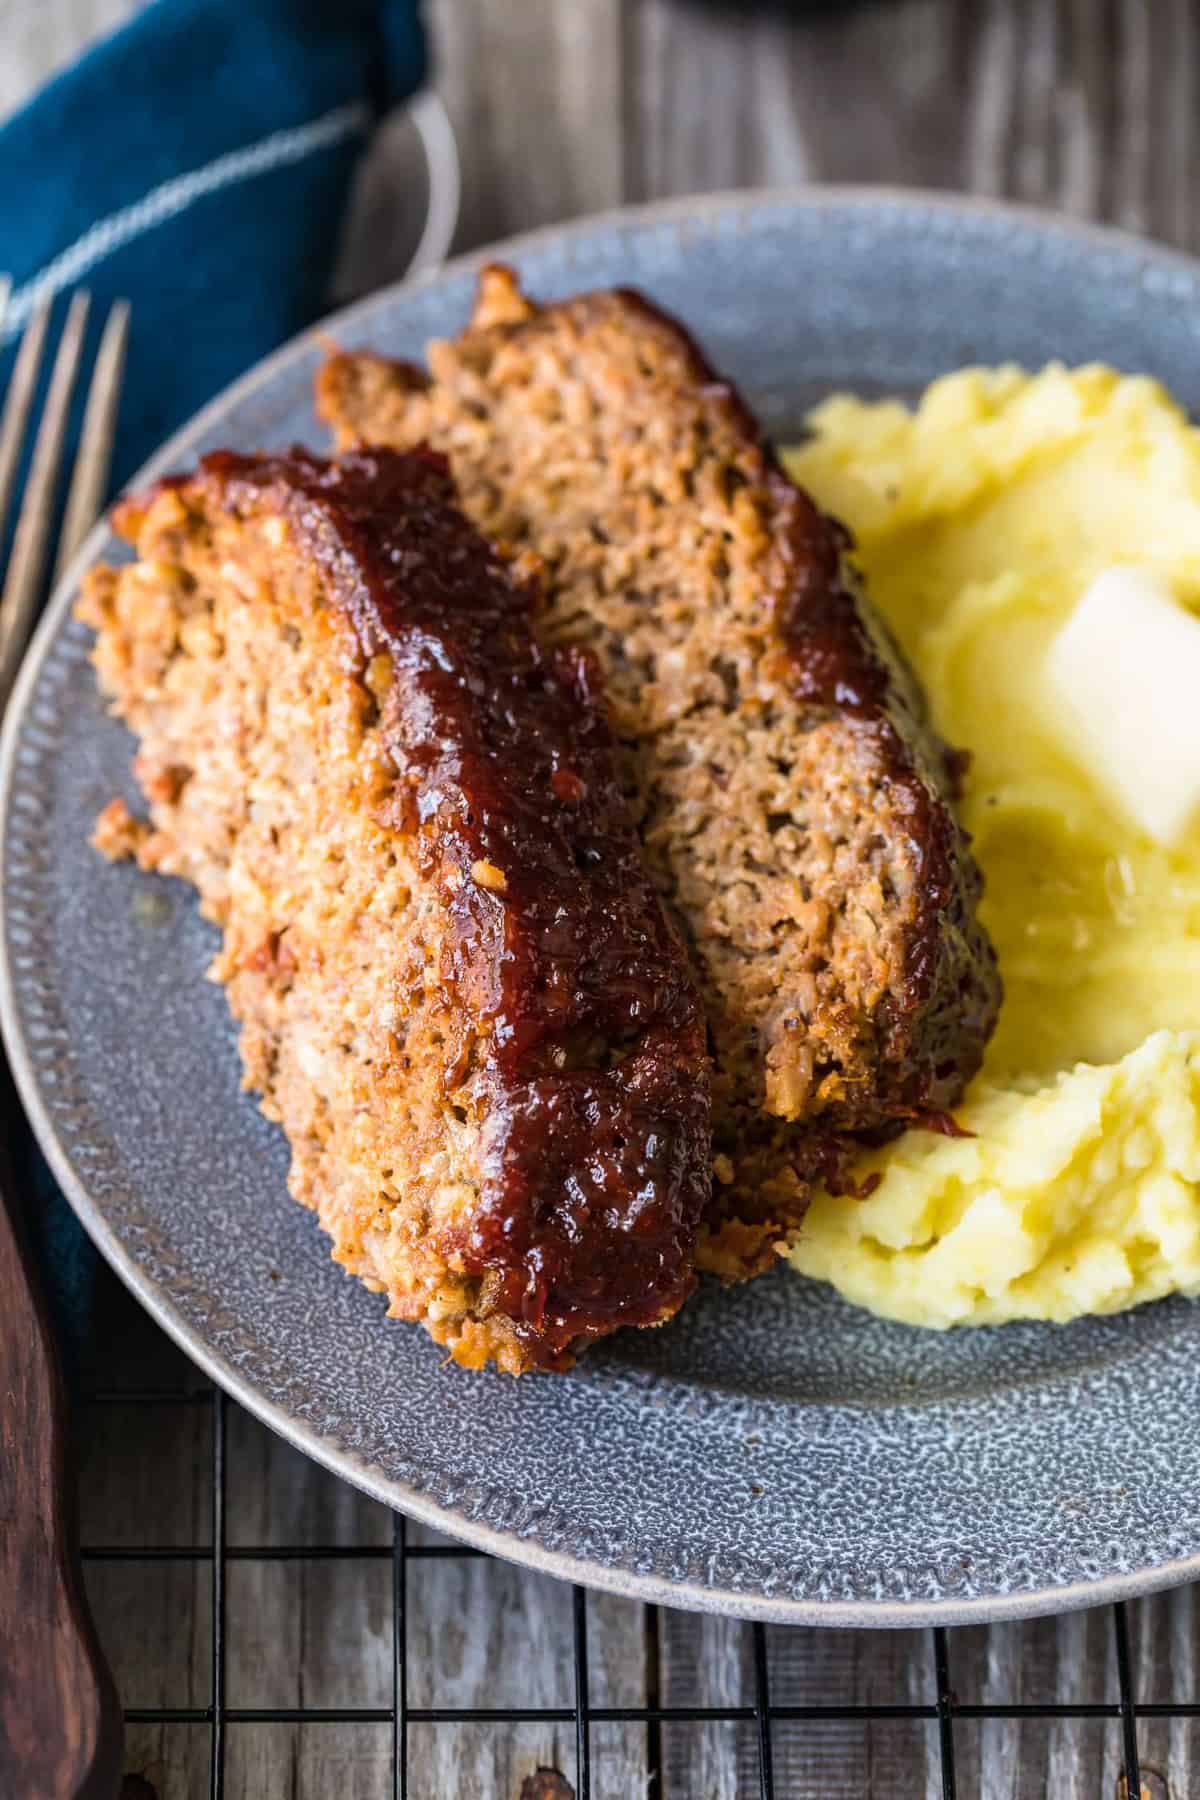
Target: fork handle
(60,1720)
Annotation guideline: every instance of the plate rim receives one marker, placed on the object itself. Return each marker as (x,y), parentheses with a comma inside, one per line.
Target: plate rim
(398,1495)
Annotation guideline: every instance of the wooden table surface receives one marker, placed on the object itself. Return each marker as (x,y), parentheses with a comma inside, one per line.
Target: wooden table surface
(565,107)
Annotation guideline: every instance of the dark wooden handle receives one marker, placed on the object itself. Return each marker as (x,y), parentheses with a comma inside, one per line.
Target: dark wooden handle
(60,1721)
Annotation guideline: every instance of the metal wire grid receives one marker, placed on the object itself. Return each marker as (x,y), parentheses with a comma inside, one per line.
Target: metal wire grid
(218,1715)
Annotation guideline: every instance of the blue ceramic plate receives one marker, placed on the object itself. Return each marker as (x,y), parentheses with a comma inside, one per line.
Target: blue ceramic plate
(773,1452)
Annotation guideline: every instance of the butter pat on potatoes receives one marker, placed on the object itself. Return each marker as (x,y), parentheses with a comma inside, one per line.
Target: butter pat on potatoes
(1124,677)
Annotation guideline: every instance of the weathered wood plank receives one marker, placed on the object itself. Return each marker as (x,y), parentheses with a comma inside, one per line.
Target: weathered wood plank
(40,36)
(304,1633)
(709,1662)
(535,94)
(485,1633)
(1055,102)
(1064,1660)
(145,1480)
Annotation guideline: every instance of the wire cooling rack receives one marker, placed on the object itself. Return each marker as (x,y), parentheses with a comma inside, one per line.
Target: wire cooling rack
(406,1559)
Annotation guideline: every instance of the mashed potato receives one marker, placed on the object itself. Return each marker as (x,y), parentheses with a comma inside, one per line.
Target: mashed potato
(981,518)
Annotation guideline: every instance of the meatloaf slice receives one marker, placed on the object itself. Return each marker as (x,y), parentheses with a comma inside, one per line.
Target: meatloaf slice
(793,803)
(458,990)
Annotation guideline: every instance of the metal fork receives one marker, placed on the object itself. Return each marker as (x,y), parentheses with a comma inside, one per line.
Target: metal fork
(27,564)
(60,1719)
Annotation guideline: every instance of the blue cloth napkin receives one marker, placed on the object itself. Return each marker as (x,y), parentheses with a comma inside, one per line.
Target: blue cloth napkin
(197,163)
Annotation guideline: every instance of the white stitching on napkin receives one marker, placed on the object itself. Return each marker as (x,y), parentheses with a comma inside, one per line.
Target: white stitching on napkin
(175,196)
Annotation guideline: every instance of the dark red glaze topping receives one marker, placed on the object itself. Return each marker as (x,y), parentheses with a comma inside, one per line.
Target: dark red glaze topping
(836,665)
(833,662)
(944,1123)
(579,1017)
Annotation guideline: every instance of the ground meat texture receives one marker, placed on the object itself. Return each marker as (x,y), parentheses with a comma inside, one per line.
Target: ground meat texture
(458,990)
(793,804)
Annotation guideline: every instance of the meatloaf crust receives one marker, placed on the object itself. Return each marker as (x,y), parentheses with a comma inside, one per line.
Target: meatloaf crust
(458,990)
(793,802)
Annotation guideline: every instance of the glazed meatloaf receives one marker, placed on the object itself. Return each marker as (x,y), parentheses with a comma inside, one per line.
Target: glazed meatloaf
(458,990)
(793,803)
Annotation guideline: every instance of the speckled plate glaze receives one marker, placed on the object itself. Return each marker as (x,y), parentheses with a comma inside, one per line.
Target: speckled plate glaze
(773,1452)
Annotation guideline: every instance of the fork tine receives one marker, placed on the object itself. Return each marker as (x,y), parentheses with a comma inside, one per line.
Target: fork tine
(18,401)
(33,526)
(90,476)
